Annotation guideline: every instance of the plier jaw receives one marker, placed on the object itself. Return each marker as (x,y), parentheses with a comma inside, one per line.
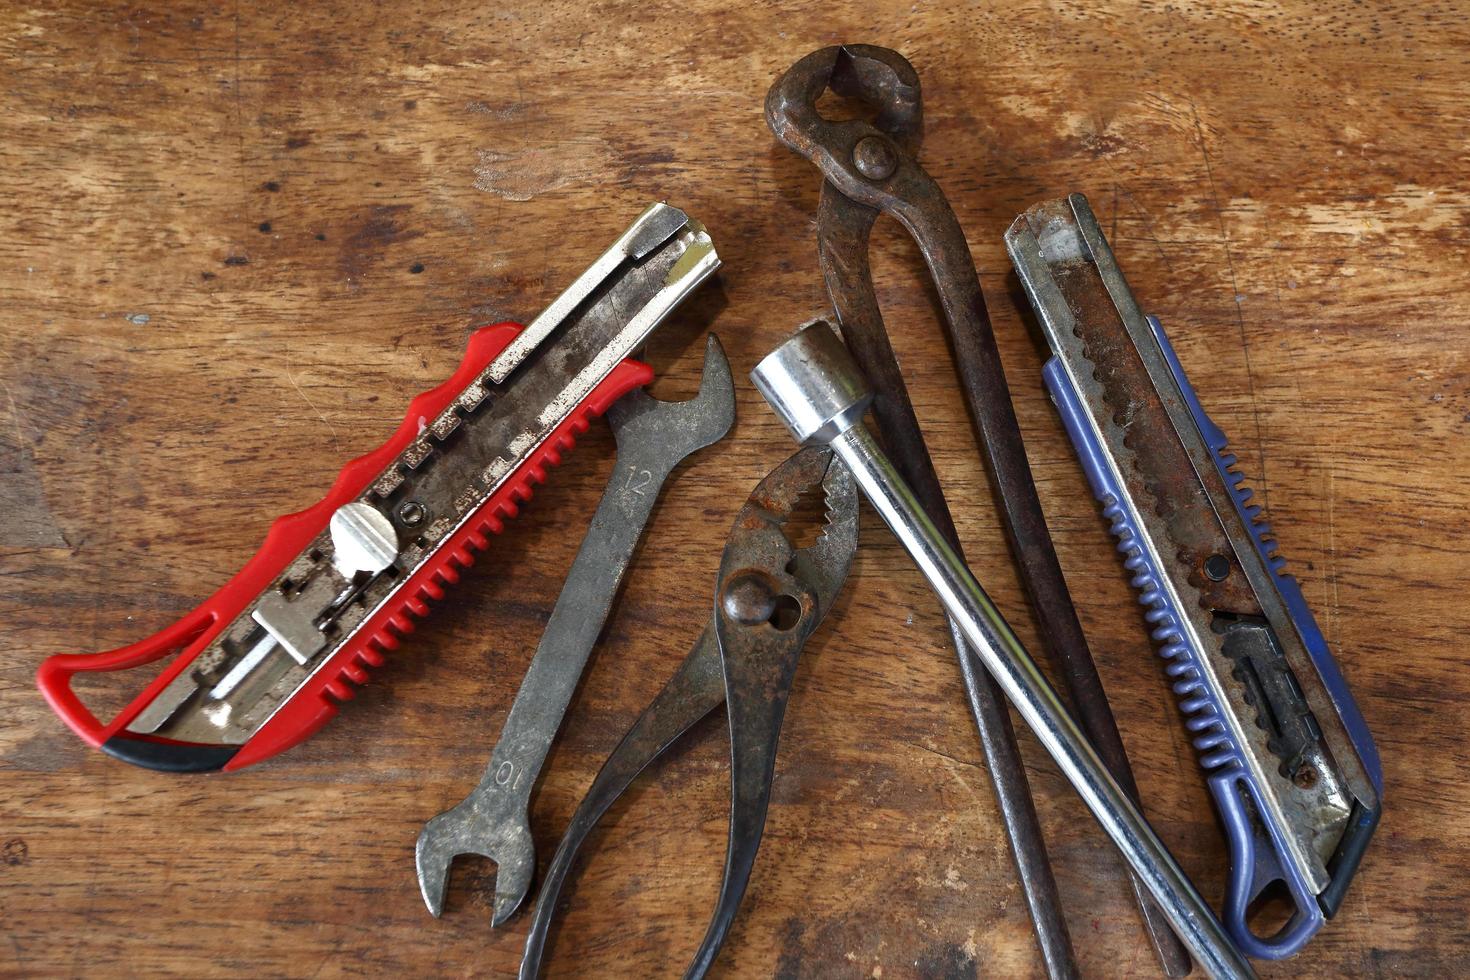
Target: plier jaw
(770,592)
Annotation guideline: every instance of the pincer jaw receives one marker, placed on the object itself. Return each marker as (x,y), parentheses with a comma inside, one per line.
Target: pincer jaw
(882,78)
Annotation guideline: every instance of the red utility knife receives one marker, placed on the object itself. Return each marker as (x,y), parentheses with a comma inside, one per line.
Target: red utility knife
(266,660)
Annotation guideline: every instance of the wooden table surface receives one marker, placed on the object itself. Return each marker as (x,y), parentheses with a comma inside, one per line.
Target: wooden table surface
(237,239)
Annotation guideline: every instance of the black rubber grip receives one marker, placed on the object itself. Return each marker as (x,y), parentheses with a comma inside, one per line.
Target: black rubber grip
(168,756)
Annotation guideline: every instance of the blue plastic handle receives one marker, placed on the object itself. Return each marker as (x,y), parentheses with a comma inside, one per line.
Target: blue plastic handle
(1255,847)
(1291,592)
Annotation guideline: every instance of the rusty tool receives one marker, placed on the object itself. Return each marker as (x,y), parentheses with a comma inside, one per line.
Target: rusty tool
(769,598)
(265,661)
(1290,762)
(869,169)
(820,395)
(653,438)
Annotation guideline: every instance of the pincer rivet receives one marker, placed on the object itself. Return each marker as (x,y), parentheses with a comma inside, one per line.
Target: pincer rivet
(874,158)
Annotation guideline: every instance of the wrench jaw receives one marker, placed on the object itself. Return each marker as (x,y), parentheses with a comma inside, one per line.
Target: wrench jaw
(513,874)
(466,829)
(686,426)
(435,851)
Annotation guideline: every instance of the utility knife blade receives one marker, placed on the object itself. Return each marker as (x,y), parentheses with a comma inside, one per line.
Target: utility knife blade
(266,660)
(1288,757)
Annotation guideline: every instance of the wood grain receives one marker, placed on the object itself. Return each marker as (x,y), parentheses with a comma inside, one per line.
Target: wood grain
(238,238)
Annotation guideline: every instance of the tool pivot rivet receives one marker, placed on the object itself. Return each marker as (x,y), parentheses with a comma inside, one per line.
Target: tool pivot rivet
(749,599)
(874,158)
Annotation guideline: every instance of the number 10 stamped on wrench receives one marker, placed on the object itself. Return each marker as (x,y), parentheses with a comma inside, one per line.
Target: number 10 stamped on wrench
(653,437)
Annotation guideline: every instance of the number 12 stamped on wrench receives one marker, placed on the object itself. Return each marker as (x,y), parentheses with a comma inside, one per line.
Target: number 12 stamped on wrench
(653,437)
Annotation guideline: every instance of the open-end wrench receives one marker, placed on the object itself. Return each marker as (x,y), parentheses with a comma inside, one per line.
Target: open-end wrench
(653,437)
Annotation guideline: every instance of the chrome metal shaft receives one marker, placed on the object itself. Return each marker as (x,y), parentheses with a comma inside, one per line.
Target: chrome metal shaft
(818,392)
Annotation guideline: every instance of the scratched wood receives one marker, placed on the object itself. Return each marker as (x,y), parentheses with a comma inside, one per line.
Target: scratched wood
(237,239)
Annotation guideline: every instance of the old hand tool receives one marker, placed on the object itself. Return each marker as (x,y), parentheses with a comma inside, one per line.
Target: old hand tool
(1290,762)
(266,659)
(653,437)
(769,598)
(820,394)
(869,169)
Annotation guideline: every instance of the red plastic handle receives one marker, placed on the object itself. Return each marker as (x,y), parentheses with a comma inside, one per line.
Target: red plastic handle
(316,702)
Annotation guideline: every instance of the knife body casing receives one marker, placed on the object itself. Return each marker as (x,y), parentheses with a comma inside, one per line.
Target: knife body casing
(1288,758)
(266,660)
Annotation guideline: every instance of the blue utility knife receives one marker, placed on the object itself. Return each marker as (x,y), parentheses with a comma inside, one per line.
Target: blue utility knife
(1288,758)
